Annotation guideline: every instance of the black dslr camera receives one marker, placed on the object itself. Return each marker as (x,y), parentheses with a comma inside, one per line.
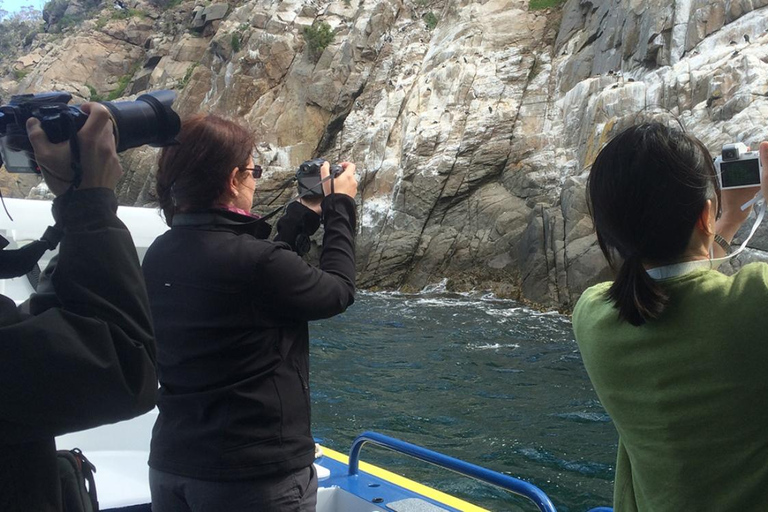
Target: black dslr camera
(308,177)
(148,120)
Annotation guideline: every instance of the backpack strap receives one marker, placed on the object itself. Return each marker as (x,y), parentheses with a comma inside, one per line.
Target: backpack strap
(88,469)
(78,485)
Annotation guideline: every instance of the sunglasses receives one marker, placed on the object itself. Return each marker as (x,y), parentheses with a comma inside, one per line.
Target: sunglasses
(255,171)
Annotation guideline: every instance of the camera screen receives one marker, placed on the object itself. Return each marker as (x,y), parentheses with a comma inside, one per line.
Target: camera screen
(740,173)
(15,160)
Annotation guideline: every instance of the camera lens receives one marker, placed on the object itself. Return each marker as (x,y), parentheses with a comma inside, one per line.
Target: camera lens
(729,154)
(148,120)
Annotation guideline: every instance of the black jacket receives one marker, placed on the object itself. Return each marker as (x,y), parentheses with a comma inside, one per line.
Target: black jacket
(85,358)
(231,312)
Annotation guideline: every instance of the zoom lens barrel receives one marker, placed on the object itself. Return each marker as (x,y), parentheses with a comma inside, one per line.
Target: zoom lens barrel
(148,120)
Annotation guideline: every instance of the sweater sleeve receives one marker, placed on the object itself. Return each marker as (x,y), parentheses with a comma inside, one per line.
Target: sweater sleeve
(87,356)
(299,290)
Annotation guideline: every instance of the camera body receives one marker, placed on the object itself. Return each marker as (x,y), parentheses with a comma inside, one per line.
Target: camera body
(308,177)
(737,167)
(148,120)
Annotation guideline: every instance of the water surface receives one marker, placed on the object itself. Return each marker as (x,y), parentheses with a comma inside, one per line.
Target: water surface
(474,377)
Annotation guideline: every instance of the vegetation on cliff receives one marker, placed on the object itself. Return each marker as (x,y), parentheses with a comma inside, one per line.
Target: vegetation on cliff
(19,27)
(544,4)
(318,37)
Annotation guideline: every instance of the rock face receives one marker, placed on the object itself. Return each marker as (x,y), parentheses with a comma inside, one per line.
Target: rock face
(472,123)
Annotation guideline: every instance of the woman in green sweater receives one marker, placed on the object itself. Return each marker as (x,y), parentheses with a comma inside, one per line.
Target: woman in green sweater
(676,351)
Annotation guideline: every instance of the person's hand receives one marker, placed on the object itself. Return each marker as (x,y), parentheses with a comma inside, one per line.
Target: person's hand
(345,183)
(764,161)
(98,155)
(732,200)
(313,204)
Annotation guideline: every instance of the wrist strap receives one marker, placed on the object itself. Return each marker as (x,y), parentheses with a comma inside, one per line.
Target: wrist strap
(723,243)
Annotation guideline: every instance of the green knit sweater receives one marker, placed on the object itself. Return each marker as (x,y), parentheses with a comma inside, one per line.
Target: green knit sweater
(688,392)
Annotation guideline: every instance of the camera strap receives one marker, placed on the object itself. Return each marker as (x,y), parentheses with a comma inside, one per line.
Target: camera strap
(282,187)
(310,191)
(759,201)
(17,262)
(74,147)
(274,212)
(678,269)
(2,200)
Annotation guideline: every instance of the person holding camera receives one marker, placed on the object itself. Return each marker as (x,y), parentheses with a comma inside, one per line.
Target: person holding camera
(231,309)
(676,350)
(86,355)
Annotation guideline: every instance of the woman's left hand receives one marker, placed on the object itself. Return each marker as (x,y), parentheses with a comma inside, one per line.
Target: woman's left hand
(313,204)
(764,160)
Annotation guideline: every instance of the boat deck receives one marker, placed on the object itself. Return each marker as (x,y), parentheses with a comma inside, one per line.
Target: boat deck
(120,453)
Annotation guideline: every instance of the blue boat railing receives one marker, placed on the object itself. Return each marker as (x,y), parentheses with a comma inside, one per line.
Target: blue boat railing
(511,484)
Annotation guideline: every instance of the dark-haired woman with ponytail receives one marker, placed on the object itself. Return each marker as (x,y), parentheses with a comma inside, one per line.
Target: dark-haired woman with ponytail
(230,309)
(676,351)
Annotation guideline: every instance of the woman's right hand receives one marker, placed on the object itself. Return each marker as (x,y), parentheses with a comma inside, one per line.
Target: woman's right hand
(345,183)
(764,161)
(98,155)
(732,201)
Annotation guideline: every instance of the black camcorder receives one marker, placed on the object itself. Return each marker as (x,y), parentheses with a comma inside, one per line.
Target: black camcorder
(148,120)
(308,177)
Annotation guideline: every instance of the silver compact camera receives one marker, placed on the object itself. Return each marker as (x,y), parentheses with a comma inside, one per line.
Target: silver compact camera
(737,167)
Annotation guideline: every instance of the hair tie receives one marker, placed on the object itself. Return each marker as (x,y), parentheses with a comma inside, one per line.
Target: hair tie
(634,259)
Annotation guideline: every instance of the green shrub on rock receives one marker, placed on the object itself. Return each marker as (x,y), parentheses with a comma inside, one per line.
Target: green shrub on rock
(431,20)
(95,96)
(318,37)
(122,83)
(187,75)
(544,4)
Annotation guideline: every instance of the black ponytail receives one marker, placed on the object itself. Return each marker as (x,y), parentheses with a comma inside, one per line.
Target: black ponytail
(645,192)
(637,296)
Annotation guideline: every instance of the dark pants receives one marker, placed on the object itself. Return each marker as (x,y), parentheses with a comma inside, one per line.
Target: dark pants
(293,492)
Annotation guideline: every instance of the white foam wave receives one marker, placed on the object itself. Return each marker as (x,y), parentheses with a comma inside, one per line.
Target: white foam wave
(436,296)
(440,287)
(495,346)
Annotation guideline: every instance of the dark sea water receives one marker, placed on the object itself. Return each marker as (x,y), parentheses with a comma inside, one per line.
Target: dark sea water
(477,378)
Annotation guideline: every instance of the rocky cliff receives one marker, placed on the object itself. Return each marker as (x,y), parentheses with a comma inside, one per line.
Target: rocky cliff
(472,123)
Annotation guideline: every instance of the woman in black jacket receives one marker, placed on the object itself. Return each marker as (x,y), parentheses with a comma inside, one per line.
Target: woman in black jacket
(231,311)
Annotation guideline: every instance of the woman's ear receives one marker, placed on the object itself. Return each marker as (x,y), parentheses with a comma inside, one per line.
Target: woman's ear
(234,182)
(707,217)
